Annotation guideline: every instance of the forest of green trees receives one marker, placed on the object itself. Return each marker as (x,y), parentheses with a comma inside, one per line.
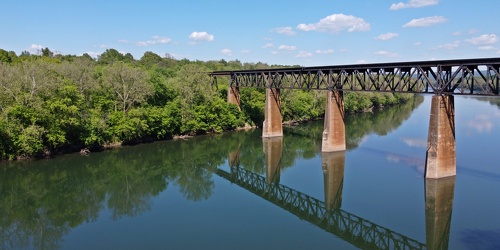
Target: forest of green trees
(52,103)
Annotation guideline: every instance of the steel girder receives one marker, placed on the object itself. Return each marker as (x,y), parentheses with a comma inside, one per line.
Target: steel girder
(353,229)
(448,77)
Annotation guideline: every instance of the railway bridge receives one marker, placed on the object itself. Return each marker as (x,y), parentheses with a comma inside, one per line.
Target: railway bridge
(442,78)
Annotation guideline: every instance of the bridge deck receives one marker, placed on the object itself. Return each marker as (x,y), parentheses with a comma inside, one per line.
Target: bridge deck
(451,77)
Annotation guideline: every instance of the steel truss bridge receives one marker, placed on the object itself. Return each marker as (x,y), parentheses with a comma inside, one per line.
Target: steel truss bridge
(443,77)
(349,227)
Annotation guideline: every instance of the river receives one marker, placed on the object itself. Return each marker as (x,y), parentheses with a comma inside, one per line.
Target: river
(239,191)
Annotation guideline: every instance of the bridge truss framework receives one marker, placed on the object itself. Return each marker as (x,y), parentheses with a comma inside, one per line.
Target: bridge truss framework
(444,77)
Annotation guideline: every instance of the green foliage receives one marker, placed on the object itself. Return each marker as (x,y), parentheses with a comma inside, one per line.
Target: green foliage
(57,103)
(252,104)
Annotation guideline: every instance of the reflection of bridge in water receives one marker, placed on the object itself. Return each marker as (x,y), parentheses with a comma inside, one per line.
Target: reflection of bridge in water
(328,216)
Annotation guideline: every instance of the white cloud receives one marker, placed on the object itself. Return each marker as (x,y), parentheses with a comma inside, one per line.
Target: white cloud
(483,40)
(328,51)
(267,45)
(92,54)
(387,36)
(417,43)
(287,47)
(245,51)
(335,23)
(413,4)
(227,52)
(386,53)
(285,31)
(274,52)
(201,37)
(457,33)
(425,22)
(452,45)
(304,54)
(35,48)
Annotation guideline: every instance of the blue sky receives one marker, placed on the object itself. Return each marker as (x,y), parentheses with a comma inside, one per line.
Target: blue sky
(307,33)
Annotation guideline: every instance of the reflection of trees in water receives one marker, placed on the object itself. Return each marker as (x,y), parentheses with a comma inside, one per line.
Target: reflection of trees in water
(495,101)
(42,200)
(380,122)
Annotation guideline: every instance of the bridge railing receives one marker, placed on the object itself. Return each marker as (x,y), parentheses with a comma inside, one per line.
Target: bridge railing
(351,228)
(457,77)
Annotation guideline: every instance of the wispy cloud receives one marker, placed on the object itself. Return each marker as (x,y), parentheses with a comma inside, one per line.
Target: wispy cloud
(287,47)
(304,54)
(387,36)
(328,51)
(285,31)
(227,52)
(267,45)
(155,40)
(483,40)
(487,47)
(197,37)
(425,22)
(386,53)
(245,51)
(415,142)
(452,45)
(413,4)
(481,123)
(336,23)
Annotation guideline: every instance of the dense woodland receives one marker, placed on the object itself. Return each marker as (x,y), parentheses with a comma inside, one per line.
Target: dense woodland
(62,103)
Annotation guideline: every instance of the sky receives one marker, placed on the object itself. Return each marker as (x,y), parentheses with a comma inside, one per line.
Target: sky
(285,32)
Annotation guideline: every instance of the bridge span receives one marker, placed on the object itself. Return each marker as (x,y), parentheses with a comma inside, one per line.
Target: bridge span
(442,78)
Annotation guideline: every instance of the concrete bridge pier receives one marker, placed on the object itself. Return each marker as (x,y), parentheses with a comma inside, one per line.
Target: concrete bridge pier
(233,96)
(438,207)
(333,173)
(441,147)
(272,126)
(273,149)
(334,130)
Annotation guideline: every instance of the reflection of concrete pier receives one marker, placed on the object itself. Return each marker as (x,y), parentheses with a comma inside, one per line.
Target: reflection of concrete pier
(234,157)
(333,172)
(438,206)
(273,148)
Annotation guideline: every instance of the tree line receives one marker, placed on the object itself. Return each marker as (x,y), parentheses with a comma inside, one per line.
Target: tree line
(52,103)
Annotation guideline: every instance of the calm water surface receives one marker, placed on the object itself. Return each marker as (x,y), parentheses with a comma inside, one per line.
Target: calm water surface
(238,191)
